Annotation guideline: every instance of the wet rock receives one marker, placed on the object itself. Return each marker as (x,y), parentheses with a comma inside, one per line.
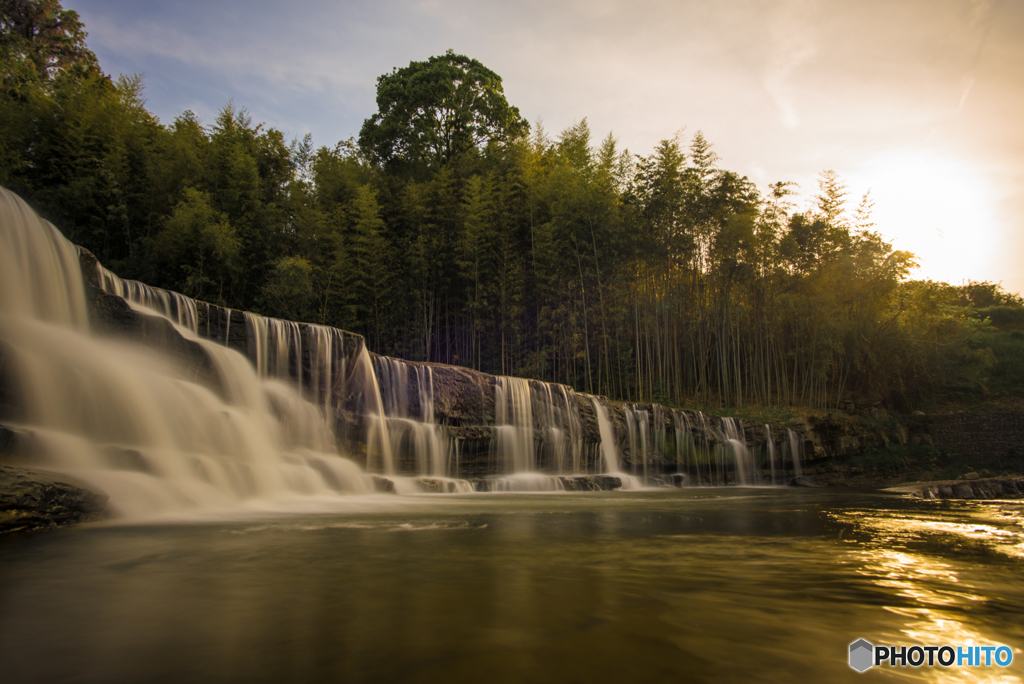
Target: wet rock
(580,483)
(803,482)
(609,482)
(383,484)
(33,500)
(127,459)
(963,491)
(437,485)
(679,479)
(430,485)
(970,476)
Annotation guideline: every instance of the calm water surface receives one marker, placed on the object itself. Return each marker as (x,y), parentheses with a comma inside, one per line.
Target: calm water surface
(734,585)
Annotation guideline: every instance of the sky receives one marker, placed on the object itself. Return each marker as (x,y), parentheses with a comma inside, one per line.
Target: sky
(918,101)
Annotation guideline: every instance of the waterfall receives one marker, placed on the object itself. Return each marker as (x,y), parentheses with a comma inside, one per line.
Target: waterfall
(413,430)
(609,450)
(562,430)
(770,446)
(206,408)
(40,278)
(171,305)
(275,348)
(514,438)
(513,420)
(744,468)
(133,422)
(795,448)
(684,441)
(573,429)
(638,429)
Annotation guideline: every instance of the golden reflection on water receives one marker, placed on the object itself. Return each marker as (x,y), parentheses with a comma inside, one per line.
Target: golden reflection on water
(895,557)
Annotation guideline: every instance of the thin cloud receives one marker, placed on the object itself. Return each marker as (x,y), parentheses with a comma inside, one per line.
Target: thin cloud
(793,46)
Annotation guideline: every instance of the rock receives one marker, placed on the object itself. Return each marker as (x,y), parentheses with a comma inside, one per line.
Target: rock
(33,500)
(804,482)
(963,491)
(878,413)
(679,479)
(609,482)
(383,484)
(970,476)
(918,414)
(1009,490)
(127,459)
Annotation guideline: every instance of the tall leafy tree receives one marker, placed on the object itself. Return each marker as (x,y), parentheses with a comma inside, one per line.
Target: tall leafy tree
(429,112)
(38,40)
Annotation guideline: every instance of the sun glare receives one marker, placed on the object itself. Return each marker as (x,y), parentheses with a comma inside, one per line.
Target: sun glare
(938,208)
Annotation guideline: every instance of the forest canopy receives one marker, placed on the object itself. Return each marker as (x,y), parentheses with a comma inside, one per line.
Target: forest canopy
(452,231)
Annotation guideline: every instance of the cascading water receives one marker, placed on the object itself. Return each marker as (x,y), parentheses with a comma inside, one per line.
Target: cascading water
(684,443)
(131,421)
(277,351)
(253,417)
(609,449)
(795,449)
(638,432)
(744,468)
(514,441)
(418,443)
(770,446)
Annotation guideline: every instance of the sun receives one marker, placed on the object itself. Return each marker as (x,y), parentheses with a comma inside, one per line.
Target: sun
(938,207)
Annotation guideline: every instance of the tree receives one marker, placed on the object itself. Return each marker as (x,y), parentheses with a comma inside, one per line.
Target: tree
(38,39)
(201,243)
(431,111)
(831,199)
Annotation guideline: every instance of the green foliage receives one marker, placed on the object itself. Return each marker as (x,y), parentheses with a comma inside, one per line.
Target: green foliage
(38,41)
(430,112)
(289,289)
(199,243)
(984,294)
(1007,372)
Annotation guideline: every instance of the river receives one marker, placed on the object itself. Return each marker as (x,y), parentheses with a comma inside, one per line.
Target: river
(702,584)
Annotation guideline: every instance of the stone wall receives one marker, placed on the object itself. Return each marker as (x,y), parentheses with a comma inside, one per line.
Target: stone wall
(979,435)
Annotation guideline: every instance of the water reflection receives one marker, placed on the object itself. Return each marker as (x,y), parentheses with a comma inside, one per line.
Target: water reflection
(711,585)
(904,553)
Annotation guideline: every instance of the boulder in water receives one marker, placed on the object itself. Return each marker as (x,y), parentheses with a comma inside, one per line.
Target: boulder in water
(803,481)
(609,482)
(33,500)
(383,484)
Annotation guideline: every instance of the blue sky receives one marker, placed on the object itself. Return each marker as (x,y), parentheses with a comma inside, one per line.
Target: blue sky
(918,100)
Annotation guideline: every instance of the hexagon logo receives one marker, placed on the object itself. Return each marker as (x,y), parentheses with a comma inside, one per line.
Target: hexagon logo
(861,655)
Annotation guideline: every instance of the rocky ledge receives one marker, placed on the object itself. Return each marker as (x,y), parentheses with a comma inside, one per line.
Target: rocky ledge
(34,500)
(965,488)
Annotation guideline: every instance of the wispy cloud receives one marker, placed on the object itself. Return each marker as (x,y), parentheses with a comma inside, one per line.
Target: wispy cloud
(793,45)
